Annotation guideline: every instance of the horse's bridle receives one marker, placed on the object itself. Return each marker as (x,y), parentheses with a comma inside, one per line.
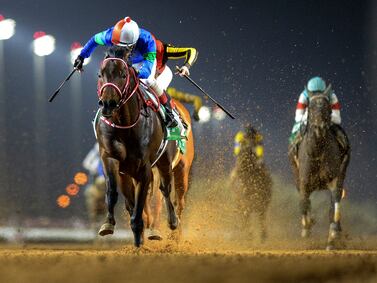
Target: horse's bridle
(121,93)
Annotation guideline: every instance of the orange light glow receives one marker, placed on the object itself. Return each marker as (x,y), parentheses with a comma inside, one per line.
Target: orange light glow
(63,201)
(81,178)
(72,189)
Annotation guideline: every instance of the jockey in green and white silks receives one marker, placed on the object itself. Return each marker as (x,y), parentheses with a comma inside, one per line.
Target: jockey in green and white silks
(315,84)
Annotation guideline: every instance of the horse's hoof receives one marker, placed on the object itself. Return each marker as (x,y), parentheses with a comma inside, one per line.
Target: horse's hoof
(138,240)
(106,229)
(174,224)
(334,235)
(330,248)
(305,233)
(154,235)
(334,232)
(138,243)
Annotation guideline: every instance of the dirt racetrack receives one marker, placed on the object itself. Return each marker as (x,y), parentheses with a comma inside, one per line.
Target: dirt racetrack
(170,263)
(214,248)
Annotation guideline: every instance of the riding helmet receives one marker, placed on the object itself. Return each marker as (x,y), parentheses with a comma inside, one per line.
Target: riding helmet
(126,33)
(316,84)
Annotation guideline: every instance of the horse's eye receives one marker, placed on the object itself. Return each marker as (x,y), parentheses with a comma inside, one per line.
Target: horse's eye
(99,75)
(112,104)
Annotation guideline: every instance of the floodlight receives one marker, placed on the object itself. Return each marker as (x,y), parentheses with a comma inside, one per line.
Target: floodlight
(76,48)
(204,114)
(43,44)
(7,28)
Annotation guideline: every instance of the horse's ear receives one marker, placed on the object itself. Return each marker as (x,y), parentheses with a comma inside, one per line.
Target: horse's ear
(328,90)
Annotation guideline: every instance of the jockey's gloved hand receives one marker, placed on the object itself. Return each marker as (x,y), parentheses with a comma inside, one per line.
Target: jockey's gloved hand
(183,71)
(78,63)
(195,115)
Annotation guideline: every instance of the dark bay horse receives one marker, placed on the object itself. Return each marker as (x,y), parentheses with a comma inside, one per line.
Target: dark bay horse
(256,185)
(321,164)
(130,136)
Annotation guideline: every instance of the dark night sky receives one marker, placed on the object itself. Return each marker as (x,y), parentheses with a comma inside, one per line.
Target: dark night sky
(254,57)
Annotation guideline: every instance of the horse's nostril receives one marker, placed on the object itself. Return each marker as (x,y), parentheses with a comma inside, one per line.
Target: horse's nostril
(100,103)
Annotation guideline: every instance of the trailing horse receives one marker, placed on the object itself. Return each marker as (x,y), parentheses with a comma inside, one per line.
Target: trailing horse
(256,185)
(321,163)
(131,139)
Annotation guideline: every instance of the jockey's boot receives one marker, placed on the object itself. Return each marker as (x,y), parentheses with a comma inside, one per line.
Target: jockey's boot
(341,137)
(295,141)
(165,100)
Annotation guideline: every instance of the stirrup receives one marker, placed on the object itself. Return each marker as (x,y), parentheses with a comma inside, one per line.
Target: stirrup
(170,121)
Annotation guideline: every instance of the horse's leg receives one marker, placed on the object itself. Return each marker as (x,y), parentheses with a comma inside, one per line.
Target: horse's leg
(334,215)
(127,188)
(305,208)
(181,184)
(294,165)
(154,232)
(147,214)
(141,192)
(165,187)
(153,207)
(262,224)
(111,195)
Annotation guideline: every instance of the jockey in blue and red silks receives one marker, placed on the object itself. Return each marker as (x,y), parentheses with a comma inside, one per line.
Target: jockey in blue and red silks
(316,84)
(148,57)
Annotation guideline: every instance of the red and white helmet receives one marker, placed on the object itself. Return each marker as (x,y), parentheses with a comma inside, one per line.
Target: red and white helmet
(126,33)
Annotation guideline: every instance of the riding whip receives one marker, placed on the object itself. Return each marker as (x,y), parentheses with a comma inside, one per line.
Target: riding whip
(206,94)
(61,85)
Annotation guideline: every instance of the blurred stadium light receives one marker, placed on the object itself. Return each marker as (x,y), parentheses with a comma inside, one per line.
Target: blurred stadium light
(63,201)
(43,44)
(204,114)
(76,48)
(72,189)
(218,114)
(80,178)
(7,28)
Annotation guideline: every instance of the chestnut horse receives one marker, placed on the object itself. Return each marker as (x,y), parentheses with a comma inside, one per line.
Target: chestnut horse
(130,137)
(181,171)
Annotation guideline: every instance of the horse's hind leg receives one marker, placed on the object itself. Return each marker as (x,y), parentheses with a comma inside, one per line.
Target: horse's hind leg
(165,187)
(154,207)
(181,183)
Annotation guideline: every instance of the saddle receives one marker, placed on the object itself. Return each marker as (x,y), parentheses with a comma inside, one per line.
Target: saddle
(179,133)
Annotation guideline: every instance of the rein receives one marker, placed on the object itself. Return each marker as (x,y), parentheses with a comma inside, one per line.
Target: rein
(122,94)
